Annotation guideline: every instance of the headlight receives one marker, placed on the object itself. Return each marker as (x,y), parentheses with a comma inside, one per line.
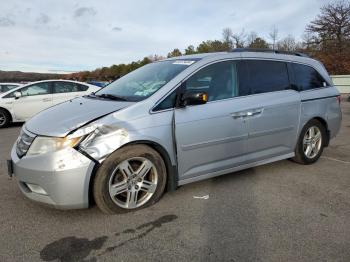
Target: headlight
(98,140)
(42,145)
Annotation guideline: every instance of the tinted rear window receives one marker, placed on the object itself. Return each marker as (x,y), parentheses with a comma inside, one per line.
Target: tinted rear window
(307,78)
(260,76)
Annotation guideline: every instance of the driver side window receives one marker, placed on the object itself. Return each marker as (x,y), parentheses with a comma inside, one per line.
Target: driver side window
(36,89)
(218,80)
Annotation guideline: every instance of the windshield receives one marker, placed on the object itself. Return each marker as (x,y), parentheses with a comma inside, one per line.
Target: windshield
(144,81)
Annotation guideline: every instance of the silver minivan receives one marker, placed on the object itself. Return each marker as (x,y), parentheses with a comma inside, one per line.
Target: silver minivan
(174,122)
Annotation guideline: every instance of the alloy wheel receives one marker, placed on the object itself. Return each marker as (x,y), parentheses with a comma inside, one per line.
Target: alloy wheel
(312,142)
(133,182)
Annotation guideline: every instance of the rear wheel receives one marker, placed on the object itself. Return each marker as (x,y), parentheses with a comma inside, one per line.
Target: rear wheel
(5,118)
(131,178)
(311,143)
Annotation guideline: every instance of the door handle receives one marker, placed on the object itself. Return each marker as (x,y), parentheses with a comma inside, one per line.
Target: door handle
(246,113)
(254,112)
(46,99)
(238,115)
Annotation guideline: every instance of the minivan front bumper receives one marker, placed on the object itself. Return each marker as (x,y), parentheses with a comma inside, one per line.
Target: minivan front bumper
(60,179)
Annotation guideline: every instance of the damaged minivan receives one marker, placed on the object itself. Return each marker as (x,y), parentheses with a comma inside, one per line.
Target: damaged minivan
(173,122)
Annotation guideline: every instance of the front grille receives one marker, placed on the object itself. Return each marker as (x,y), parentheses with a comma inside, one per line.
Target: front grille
(24,141)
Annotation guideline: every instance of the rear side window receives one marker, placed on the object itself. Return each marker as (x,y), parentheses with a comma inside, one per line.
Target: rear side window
(306,77)
(64,87)
(68,87)
(5,88)
(261,76)
(82,88)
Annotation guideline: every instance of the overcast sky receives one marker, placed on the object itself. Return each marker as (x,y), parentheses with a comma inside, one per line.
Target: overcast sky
(66,35)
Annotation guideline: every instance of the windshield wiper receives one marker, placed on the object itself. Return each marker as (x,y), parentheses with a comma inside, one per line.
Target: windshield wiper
(112,97)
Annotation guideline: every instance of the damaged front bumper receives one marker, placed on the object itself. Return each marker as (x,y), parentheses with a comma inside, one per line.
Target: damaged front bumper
(60,179)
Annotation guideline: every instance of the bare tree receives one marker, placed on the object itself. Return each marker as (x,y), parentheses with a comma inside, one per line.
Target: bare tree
(227,36)
(274,36)
(332,26)
(239,39)
(287,44)
(310,42)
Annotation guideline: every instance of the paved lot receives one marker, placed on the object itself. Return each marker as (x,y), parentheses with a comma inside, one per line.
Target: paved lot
(277,212)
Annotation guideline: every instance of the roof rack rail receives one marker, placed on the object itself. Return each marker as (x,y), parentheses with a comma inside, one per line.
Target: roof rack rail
(262,50)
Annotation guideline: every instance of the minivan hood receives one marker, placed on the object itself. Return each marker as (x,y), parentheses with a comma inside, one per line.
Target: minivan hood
(63,118)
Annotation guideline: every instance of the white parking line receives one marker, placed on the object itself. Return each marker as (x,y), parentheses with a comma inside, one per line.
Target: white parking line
(202,197)
(334,159)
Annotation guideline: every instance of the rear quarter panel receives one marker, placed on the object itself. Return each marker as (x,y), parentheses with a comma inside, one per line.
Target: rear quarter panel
(321,103)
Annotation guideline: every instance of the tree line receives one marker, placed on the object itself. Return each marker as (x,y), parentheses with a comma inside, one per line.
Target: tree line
(326,38)
(17,76)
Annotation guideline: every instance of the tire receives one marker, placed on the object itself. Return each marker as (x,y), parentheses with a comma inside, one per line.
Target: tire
(5,118)
(307,150)
(121,185)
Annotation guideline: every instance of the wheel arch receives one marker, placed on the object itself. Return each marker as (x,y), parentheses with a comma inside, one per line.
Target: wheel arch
(172,175)
(325,124)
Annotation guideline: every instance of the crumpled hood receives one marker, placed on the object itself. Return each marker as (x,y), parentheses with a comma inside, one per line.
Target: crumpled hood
(61,119)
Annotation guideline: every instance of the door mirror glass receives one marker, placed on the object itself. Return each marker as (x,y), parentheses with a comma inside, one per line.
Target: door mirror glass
(17,94)
(194,98)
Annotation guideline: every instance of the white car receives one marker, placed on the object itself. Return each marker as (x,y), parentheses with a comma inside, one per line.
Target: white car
(23,102)
(4,87)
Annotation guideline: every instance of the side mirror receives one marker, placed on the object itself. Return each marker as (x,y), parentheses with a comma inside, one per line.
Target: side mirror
(17,94)
(194,98)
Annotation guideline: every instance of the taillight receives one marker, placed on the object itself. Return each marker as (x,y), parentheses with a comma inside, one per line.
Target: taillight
(338,99)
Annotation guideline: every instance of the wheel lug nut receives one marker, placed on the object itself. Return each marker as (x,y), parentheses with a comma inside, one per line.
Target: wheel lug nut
(129,187)
(139,180)
(136,187)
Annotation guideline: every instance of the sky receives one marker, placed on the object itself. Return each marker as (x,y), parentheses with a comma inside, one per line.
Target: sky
(70,36)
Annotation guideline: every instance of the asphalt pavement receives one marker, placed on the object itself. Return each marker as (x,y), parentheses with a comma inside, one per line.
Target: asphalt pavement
(277,212)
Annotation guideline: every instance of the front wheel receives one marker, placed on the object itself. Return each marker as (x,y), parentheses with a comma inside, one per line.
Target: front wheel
(5,118)
(131,178)
(311,143)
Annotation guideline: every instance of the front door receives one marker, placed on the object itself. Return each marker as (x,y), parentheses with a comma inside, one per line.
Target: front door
(34,99)
(211,138)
